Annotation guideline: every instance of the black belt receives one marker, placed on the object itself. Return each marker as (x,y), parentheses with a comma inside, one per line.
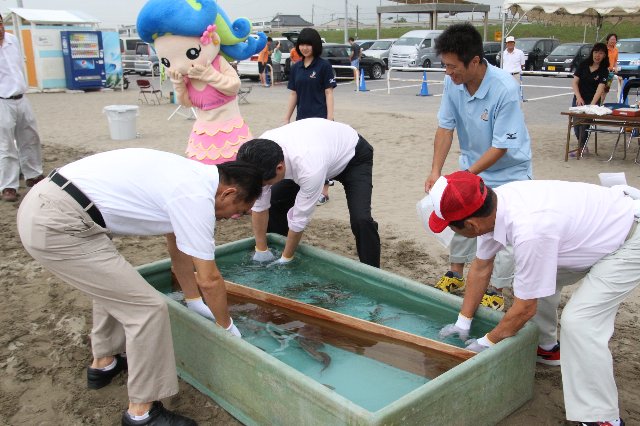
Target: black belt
(14,97)
(86,204)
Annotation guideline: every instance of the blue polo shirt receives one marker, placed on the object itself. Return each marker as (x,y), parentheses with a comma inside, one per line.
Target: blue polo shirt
(309,83)
(490,118)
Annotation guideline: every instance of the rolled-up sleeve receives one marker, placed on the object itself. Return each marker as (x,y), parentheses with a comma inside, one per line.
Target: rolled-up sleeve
(310,189)
(264,201)
(507,132)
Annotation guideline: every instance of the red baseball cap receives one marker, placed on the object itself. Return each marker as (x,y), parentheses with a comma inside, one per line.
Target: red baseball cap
(455,197)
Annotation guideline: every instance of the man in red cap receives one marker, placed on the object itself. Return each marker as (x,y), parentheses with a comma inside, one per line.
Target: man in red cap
(561,233)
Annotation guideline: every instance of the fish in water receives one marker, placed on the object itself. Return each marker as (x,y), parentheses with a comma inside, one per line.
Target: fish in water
(310,346)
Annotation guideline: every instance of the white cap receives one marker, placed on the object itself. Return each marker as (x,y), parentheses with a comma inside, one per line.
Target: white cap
(510,38)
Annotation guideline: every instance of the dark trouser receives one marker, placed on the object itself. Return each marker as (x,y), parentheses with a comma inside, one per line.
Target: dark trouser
(357,181)
(580,131)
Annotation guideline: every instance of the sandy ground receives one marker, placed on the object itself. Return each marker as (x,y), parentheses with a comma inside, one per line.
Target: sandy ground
(43,344)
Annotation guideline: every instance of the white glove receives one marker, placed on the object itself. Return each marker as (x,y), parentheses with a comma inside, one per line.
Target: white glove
(460,328)
(478,345)
(263,256)
(233,329)
(198,306)
(282,261)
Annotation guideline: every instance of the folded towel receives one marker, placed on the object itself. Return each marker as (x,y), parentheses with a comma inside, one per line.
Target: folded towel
(591,109)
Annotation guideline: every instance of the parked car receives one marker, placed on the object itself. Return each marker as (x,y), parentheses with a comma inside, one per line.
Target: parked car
(380,49)
(629,57)
(491,50)
(365,44)
(415,49)
(143,61)
(535,50)
(338,54)
(249,67)
(566,57)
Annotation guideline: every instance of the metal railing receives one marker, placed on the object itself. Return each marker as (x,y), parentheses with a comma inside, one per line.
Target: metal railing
(390,79)
(407,69)
(356,74)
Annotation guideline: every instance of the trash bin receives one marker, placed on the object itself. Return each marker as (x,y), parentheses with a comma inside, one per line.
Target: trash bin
(122,121)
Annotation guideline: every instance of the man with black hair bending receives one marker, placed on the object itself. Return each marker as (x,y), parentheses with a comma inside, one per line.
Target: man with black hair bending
(295,160)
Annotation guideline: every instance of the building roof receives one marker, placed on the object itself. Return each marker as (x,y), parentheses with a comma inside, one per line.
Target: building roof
(44,16)
(289,21)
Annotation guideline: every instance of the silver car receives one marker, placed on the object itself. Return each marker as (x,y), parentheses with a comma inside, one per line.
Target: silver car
(380,49)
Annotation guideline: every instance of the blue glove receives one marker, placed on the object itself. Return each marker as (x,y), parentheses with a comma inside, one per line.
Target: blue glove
(233,329)
(263,256)
(282,261)
(460,328)
(478,345)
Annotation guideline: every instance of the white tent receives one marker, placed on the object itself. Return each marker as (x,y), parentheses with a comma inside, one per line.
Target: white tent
(593,12)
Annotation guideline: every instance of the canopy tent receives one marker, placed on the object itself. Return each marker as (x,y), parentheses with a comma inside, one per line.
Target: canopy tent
(575,11)
(578,12)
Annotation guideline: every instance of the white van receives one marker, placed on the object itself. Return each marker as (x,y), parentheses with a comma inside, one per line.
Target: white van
(415,49)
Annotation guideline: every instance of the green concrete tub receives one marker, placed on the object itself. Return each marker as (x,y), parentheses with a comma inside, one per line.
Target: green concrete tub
(259,389)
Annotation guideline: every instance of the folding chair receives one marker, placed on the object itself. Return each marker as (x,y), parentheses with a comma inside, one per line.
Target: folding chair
(243,93)
(146,88)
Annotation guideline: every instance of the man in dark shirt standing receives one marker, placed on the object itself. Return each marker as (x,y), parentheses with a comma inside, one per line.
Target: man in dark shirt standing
(356,52)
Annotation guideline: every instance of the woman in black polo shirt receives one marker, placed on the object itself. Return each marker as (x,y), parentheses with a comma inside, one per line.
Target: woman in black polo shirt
(311,82)
(588,84)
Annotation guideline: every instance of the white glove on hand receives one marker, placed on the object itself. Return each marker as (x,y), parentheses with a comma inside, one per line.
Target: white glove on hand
(282,261)
(263,256)
(478,345)
(460,328)
(198,306)
(233,329)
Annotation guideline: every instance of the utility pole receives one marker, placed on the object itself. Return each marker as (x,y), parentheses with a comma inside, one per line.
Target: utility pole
(346,22)
(357,22)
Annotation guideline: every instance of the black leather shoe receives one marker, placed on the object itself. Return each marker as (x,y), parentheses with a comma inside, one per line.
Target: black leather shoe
(97,379)
(158,416)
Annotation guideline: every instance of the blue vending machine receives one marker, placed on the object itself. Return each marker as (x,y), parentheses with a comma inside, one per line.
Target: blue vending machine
(83,58)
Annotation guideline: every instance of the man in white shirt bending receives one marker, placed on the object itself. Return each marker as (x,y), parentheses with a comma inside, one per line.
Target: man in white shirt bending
(561,233)
(295,160)
(513,59)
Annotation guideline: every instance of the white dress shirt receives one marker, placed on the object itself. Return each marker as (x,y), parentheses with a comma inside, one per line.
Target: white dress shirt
(147,192)
(314,150)
(513,61)
(12,80)
(555,225)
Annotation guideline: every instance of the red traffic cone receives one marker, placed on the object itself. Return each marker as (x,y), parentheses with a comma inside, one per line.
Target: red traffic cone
(424,89)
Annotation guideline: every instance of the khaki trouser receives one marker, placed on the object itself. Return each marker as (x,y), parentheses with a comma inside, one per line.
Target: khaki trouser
(128,314)
(587,323)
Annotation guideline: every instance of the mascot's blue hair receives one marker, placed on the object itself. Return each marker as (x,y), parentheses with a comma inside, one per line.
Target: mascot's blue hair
(191,17)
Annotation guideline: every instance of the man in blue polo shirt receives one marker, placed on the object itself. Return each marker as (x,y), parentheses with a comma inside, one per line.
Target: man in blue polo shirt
(481,102)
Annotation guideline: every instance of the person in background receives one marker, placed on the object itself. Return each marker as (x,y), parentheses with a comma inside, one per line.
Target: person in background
(20,147)
(276,57)
(355,52)
(66,221)
(482,104)
(596,241)
(612,54)
(295,160)
(588,85)
(264,58)
(513,59)
(311,83)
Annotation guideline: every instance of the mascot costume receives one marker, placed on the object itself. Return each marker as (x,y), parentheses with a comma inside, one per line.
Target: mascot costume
(194,39)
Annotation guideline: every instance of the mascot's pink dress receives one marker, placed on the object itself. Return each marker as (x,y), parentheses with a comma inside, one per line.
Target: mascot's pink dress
(215,141)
